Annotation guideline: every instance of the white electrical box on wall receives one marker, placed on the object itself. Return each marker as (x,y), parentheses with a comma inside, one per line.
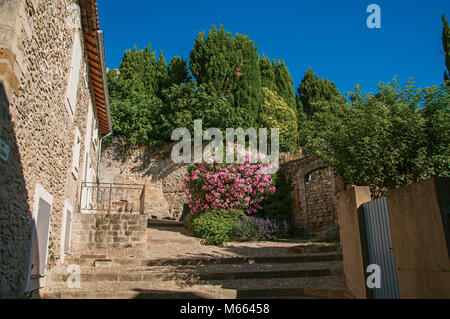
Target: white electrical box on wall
(4,151)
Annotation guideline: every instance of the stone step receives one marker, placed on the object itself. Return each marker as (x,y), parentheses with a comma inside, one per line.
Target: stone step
(321,287)
(318,287)
(163,223)
(134,290)
(305,249)
(179,241)
(202,273)
(83,260)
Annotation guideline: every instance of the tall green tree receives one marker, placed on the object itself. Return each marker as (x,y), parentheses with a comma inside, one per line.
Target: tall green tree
(285,85)
(446,45)
(186,102)
(268,76)
(162,74)
(178,72)
(276,77)
(229,65)
(314,89)
(137,71)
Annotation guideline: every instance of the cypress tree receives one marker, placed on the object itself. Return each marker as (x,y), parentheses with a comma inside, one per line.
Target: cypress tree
(268,77)
(314,89)
(229,65)
(178,72)
(138,71)
(162,74)
(446,45)
(277,78)
(285,85)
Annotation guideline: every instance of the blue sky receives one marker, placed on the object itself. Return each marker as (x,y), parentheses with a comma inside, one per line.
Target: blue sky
(330,36)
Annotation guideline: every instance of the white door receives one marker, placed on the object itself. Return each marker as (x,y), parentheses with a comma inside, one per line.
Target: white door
(40,230)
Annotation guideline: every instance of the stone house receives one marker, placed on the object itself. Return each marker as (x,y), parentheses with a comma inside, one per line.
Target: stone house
(54,112)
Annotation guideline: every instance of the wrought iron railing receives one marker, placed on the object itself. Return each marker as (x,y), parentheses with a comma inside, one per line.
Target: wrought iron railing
(112,197)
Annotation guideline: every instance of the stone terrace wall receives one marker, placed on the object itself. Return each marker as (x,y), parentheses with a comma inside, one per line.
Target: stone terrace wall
(97,232)
(163,180)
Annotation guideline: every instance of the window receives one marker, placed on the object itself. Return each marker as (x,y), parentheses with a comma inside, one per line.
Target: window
(72,87)
(76,153)
(40,230)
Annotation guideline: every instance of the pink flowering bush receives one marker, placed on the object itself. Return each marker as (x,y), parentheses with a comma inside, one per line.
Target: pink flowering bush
(227,186)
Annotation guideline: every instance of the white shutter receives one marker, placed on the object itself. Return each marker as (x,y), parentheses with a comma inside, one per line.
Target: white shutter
(40,229)
(67,227)
(76,153)
(74,75)
(95,136)
(88,136)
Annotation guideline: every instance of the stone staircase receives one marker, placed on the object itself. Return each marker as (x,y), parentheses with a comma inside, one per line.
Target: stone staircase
(176,265)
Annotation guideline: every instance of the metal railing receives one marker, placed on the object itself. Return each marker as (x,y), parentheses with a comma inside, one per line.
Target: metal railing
(112,197)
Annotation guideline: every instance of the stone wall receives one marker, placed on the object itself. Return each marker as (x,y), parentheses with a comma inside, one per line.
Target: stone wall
(114,232)
(320,200)
(313,184)
(314,194)
(36,43)
(163,180)
(418,216)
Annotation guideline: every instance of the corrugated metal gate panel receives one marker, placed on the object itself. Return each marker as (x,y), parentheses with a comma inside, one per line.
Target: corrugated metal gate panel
(380,250)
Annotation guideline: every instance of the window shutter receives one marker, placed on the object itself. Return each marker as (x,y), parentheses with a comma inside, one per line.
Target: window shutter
(95,136)
(74,75)
(68,227)
(76,153)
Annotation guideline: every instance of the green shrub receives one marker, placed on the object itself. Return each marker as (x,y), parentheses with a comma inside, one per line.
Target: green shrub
(216,226)
(279,205)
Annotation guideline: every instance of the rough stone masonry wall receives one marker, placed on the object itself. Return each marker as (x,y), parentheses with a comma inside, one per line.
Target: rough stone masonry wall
(35,57)
(109,232)
(314,200)
(163,180)
(321,202)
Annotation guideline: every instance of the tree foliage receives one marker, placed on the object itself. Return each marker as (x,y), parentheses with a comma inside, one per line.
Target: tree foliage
(186,102)
(396,137)
(313,90)
(446,45)
(178,72)
(276,77)
(229,65)
(275,113)
(279,205)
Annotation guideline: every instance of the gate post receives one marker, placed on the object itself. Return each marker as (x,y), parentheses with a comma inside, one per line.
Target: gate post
(348,202)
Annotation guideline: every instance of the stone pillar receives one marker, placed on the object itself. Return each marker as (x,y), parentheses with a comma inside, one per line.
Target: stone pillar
(348,203)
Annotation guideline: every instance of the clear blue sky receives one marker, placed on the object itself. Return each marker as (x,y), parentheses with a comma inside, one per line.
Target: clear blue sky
(330,36)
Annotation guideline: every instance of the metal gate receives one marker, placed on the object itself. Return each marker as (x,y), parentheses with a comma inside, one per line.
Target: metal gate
(379,247)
